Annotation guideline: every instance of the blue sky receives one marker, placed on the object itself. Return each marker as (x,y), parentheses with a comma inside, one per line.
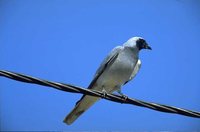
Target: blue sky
(66,40)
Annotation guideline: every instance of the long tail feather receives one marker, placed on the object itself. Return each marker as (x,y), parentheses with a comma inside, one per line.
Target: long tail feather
(84,104)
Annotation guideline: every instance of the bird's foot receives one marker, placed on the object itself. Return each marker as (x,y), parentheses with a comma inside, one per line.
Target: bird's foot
(124,97)
(104,93)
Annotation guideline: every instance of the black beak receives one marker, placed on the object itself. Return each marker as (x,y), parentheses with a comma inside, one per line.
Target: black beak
(148,47)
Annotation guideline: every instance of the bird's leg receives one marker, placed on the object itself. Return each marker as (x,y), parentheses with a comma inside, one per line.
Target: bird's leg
(104,92)
(119,91)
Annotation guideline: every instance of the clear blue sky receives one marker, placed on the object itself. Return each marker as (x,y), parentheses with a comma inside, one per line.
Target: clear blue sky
(66,40)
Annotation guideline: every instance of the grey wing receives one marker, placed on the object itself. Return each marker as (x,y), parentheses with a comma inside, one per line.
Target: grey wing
(106,62)
(135,70)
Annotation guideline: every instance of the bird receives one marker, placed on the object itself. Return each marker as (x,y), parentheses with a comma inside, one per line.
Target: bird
(118,68)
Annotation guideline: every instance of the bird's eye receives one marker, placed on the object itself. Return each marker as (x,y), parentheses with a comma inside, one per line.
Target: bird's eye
(140,41)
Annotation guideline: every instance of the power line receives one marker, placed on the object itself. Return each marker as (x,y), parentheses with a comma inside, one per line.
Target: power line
(111,97)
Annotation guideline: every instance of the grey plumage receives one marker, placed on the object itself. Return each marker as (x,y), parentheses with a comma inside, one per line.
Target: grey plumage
(119,67)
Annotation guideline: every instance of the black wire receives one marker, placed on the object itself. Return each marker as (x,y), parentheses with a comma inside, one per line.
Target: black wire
(111,97)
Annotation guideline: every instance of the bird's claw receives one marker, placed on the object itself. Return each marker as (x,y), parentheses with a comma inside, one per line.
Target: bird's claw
(104,93)
(124,97)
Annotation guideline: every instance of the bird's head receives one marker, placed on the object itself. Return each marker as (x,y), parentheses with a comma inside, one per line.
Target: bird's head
(137,42)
